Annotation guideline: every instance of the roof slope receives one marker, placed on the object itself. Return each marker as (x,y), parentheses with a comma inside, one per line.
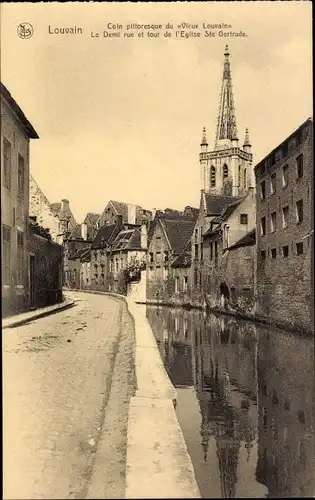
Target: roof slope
(129,239)
(183,259)
(247,240)
(91,218)
(31,132)
(215,204)
(104,236)
(178,232)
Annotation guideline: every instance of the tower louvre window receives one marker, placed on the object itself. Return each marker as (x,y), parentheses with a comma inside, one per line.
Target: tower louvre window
(225,171)
(212,176)
(245,178)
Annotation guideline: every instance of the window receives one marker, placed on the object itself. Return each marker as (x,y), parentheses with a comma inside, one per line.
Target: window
(117,264)
(166,273)
(196,252)
(225,171)
(263,190)
(158,257)
(245,178)
(263,255)
(196,235)
(211,250)
(21,169)
(299,211)
(215,250)
(201,251)
(273,186)
(299,166)
(244,219)
(212,176)
(301,416)
(6,163)
(273,253)
(285,216)
(299,248)
(165,256)
(196,277)
(176,284)
(185,283)
(151,257)
(273,222)
(285,251)
(6,254)
(285,175)
(263,226)
(20,257)
(111,265)
(239,175)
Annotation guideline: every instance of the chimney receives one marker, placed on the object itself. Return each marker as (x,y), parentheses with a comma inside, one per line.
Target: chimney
(84,230)
(64,205)
(144,236)
(131,214)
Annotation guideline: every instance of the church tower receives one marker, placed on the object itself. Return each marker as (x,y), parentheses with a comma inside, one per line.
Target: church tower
(227,169)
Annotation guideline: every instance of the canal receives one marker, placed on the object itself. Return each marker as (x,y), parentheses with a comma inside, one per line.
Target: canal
(245,403)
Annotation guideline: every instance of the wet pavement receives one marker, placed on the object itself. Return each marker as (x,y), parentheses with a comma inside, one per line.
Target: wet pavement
(68,379)
(246,403)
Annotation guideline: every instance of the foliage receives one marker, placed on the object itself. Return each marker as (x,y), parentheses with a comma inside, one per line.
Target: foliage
(40,231)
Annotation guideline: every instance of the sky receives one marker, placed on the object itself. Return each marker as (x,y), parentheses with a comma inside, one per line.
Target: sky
(121,118)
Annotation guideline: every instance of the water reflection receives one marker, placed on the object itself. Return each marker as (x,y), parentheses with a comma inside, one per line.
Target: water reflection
(245,403)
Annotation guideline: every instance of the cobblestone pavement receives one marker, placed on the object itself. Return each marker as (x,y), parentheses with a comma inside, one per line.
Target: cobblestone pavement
(68,379)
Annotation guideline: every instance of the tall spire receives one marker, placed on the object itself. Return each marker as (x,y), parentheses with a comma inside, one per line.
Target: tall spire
(226,127)
(246,140)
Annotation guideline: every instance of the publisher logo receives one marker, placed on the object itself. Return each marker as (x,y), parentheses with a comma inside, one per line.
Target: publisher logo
(25,30)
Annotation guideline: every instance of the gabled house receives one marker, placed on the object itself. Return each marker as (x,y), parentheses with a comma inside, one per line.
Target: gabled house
(99,248)
(126,254)
(236,222)
(57,217)
(168,239)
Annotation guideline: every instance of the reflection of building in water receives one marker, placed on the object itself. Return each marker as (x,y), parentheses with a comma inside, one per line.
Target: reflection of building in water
(286,463)
(226,402)
(171,329)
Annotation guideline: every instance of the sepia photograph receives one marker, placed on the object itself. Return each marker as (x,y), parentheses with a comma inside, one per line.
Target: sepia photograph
(157,239)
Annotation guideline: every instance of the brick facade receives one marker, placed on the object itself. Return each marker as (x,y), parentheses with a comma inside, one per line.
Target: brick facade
(284,230)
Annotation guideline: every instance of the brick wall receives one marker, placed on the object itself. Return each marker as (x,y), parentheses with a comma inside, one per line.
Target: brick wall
(284,281)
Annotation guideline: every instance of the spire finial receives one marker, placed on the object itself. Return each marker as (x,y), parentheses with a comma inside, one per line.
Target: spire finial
(204,141)
(246,140)
(226,52)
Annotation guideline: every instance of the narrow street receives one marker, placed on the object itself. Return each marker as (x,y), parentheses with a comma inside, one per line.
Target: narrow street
(68,381)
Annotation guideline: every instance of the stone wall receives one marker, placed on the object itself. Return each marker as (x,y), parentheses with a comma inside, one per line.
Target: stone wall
(47,271)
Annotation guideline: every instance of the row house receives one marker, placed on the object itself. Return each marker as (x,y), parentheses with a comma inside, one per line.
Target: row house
(285,225)
(16,133)
(168,237)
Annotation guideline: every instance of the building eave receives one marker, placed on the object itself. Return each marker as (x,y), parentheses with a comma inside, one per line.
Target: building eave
(28,127)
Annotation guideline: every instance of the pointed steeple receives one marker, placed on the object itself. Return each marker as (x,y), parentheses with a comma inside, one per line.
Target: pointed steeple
(204,141)
(246,140)
(226,127)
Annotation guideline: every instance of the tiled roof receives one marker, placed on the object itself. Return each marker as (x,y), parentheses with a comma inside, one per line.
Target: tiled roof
(227,211)
(247,240)
(127,240)
(104,235)
(55,208)
(215,204)
(86,256)
(178,232)
(76,232)
(31,132)
(91,218)
(77,254)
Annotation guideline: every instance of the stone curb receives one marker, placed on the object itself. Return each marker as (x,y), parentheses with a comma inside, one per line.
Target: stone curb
(158,464)
(38,313)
